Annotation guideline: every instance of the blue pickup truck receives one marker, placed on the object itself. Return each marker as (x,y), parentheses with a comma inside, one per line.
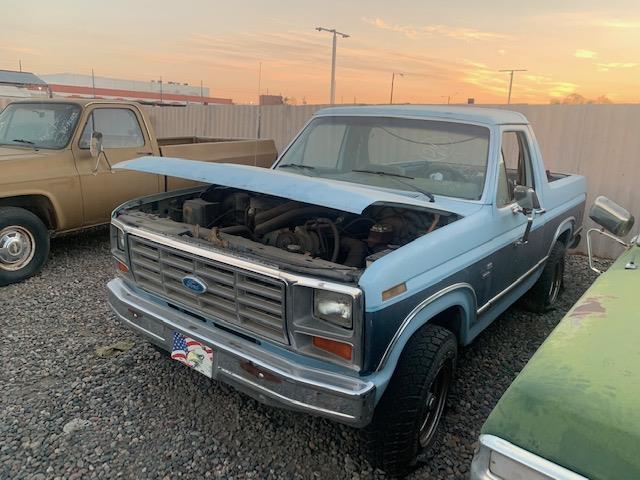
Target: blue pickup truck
(342,281)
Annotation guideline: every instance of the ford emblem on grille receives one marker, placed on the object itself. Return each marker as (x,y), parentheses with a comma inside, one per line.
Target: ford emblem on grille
(194,284)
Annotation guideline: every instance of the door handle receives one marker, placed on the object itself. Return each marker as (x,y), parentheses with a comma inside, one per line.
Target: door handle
(144,153)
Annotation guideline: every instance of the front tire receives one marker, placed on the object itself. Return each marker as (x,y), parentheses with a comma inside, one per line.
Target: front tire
(407,419)
(544,294)
(24,245)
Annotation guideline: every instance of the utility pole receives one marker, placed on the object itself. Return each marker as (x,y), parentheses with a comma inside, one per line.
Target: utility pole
(510,71)
(333,59)
(201,93)
(93,83)
(393,77)
(160,88)
(20,64)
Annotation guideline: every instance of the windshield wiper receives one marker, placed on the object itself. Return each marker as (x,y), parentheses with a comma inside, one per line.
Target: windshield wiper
(397,177)
(298,166)
(22,140)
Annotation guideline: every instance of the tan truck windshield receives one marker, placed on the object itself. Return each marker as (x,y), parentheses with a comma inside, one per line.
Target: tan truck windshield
(40,125)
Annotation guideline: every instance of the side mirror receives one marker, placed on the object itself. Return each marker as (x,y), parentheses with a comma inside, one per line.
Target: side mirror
(615,221)
(526,198)
(611,216)
(95,147)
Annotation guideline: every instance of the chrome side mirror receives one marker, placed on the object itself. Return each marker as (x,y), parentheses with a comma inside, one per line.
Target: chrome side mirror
(615,221)
(95,147)
(528,204)
(526,198)
(611,216)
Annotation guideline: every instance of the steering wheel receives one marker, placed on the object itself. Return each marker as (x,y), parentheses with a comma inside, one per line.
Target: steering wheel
(439,171)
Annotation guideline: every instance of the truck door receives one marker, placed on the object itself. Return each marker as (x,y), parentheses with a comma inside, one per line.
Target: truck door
(515,259)
(123,138)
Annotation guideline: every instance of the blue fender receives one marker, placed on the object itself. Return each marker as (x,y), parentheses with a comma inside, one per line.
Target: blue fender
(460,295)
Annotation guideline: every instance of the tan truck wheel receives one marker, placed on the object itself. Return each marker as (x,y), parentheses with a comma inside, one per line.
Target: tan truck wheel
(24,245)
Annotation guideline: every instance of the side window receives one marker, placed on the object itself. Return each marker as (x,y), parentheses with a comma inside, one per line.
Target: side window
(514,168)
(119,128)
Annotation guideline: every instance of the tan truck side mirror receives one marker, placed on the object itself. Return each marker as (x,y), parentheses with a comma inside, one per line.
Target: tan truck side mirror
(95,147)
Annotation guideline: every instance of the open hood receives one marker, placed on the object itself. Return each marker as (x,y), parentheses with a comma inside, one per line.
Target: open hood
(348,197)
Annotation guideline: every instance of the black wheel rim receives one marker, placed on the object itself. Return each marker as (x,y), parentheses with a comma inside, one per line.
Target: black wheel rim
(434,404)
(556,284)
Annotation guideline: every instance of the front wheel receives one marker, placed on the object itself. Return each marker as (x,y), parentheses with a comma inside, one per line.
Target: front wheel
(544,294)
(24,245)
(407,419)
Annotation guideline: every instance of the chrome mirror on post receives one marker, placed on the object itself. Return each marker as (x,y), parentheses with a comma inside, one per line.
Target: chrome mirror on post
(528,204)
(615,221)
(95,149)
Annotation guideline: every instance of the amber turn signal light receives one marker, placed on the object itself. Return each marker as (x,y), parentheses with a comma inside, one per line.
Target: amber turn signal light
(341,349)
(394,291)
(122,267)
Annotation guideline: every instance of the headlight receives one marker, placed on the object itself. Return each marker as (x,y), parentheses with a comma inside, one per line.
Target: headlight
(120,240)
(333,307)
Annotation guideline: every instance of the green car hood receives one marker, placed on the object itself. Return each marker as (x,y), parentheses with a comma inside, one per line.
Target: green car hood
(577,401)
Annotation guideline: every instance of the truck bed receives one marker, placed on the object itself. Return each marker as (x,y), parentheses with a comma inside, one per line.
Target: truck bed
(258,152)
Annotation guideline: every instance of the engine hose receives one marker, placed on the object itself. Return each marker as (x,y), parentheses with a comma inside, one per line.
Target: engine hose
(336,236)
(274,212)
(356,251)
(287,218)
(236,229)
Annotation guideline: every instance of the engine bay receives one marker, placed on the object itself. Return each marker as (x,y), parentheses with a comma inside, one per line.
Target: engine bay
(297,235)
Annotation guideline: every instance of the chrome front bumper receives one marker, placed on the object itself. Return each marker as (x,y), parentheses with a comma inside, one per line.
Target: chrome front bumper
(264,375)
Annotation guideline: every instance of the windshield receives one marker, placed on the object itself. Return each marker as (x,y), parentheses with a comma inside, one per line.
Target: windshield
(432,157)
(38,125)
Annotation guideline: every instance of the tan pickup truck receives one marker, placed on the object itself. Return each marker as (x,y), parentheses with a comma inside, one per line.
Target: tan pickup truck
(56,177)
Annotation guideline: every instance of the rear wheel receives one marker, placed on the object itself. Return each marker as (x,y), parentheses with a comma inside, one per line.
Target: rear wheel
(544,294)
(24,245)
(407,420)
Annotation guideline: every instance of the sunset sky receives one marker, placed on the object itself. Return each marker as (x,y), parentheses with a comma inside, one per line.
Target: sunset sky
(446,48)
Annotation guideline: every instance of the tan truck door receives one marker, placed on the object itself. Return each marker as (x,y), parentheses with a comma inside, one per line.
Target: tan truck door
(124,137)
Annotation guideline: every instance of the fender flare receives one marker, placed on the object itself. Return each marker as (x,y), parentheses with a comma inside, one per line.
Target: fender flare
(460,295)
(567,224)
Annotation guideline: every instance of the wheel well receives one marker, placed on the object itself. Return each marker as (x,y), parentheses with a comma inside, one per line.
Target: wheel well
(565,237)
(451,319)
(39,205)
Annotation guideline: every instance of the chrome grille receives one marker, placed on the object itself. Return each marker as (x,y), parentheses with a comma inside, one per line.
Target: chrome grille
(237,297)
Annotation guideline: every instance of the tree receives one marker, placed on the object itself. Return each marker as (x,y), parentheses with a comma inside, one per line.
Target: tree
(577,99)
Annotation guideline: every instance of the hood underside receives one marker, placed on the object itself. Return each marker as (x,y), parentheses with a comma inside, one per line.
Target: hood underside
(343,196)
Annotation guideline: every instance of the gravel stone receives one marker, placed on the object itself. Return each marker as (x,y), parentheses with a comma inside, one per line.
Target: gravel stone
(139,414)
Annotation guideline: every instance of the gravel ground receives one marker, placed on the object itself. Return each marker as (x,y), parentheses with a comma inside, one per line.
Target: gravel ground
(65,412)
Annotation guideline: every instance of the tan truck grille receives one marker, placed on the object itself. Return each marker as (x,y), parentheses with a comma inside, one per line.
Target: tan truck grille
(237,297)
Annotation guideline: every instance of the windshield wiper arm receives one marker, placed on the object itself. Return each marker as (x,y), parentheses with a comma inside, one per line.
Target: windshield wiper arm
(296,165)
(22,140)
(397,177)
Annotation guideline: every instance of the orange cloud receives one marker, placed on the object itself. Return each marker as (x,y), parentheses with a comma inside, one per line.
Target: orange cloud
(458,33)
(580,53)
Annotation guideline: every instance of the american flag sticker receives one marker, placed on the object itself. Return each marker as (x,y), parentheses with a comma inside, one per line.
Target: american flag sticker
(192,353)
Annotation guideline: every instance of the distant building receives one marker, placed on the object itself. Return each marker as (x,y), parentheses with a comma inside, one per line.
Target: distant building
(271,100)
(21,84)
(153,91)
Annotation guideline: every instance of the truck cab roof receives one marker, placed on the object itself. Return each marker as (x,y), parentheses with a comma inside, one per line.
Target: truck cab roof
(463,114)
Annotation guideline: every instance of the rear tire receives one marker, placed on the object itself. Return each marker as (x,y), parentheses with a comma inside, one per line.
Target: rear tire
(24,245)
(544,294)
(407,419)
